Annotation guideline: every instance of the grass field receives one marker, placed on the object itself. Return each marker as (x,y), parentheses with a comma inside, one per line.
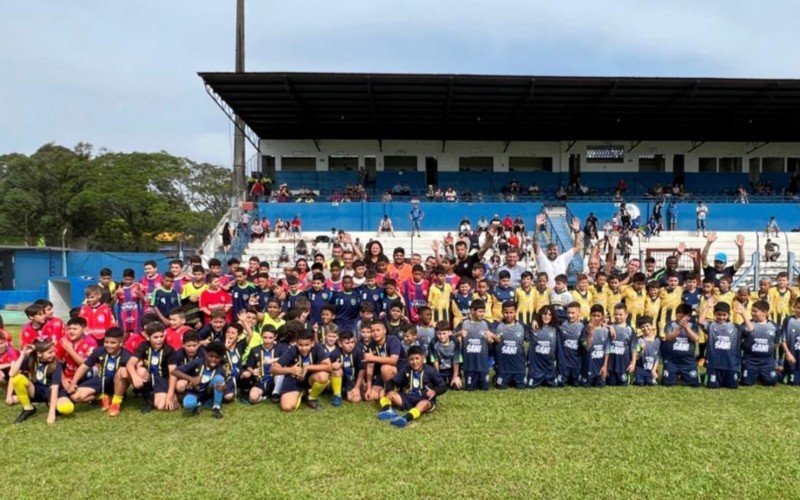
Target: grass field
(613,442)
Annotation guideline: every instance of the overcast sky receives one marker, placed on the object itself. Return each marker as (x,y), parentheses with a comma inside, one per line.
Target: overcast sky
(123,75)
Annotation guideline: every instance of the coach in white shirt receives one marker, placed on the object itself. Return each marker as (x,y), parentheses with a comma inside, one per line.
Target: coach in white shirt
(550,261)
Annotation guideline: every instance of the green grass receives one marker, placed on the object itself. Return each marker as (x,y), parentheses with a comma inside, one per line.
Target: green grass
(613,442)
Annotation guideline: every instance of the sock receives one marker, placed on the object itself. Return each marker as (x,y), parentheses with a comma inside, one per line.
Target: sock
(412,414)
(20,384)
(386,403)
(316,390)
(116,400)
(299,401)
(278,384)
(217,394)
(336,385)
(65,408)
(147,394)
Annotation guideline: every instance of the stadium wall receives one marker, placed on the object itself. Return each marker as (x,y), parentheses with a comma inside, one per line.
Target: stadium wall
(366,216)
(721,216)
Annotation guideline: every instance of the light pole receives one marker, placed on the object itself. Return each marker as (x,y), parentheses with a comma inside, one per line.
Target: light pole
(238,181)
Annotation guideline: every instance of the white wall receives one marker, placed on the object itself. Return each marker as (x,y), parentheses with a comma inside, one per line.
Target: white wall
(448,154)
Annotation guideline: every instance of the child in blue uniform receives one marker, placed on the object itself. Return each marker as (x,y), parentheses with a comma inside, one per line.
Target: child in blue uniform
(760,338)
(723,346)
(206,381)
(648,351)
(543,349)
(569,338)
(413,390)
(594,344)
(791,345)
(111,378)
(622,351)
(36,378)
(678,349)
(475,337)
(352,367)
(510,352)
(149,368)
(259,364)
(446,355)
(307,369)
(383,357)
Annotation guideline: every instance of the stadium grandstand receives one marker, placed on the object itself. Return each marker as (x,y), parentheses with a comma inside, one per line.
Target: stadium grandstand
(636,156)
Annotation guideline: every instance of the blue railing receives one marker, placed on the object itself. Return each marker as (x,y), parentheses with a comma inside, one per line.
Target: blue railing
(242,238)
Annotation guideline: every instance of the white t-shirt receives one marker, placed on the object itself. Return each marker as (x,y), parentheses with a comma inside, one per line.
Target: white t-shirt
(553,267)
(702,210)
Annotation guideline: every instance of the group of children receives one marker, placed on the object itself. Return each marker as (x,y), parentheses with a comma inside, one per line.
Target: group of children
(206,339)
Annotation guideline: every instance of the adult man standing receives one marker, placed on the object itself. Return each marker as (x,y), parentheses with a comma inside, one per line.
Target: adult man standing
(550,261)
(416,215)
(719,269)
(701,212)
(512,265)
(464,260)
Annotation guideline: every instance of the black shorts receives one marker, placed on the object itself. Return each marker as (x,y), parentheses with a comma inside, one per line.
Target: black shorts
(504,380)
(291,384)
(41,393)
(158,384)
(100,386)
(412,400)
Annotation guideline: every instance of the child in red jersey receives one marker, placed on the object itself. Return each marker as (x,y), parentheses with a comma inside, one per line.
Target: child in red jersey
(177,327)
(73,349)
(7,356)
(34,328)
(150,281)
(53,326)
(98,316)
(3,332)
(214,297)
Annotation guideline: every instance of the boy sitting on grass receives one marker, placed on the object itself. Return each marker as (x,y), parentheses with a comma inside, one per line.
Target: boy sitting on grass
(413,390)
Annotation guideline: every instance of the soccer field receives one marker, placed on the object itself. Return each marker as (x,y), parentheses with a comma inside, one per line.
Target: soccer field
(613,442)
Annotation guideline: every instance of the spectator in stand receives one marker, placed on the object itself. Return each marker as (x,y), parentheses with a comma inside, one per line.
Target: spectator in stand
(550,261)
(387,197)
(772,227)
(561,194)
(701,212)
(297,225)
(771,251)
(397,188)
(512,265)
(430,193)
(257,191)
(618,197)
(265,226)
(622,186)
(719,269)
(385,226)
(438,195)
(466,196)
(483,224)
(513,186)
(257,231)
(336,197)
(513,240)
(227,236)
(508,224)
(590,227)
(657,210)
(519,226)
(742,196)
(450,194)
(245,221)
(465,226)
(533,189)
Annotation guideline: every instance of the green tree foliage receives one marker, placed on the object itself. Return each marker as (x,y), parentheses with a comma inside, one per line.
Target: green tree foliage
(118,201)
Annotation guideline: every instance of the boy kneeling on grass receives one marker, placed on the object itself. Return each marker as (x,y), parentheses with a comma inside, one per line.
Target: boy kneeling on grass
(308,368)
(206,380)
(413,390)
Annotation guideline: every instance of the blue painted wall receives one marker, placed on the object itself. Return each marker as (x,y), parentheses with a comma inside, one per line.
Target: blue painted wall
(21,296)
(721,216)
(365,216)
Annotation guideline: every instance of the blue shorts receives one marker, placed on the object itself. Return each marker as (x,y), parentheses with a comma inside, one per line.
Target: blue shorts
(569,376)
(474,381)
(41,393)
(618,378)
(412,400)
(158,384)
(99,385)
(728,379)
(505,380)
(291,384)
(755,370)
(644,377)
(538,377)
(687,373)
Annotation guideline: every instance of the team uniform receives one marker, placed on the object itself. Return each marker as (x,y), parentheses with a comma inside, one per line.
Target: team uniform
(130,308)
(679,359)
(292,357)
(510,356)
(44,376)
(206,391)
(649,354)
(569,356)
(240,297)
(476,355)
(103,368)
(98,319)
(157,363)
(594,355)
(634,301)
(542,354)
(758,354)
(235,359)
(447,355)
(669,301)
(352,365)
(149,286)
(526,308)
(723,355)
(620,353)
(412,385)
(83,348)
(165,300)
(318,300)
(347,310)
(791,335)
(585,299)
(391,346)
(780,305)
(416,296)
(260,362)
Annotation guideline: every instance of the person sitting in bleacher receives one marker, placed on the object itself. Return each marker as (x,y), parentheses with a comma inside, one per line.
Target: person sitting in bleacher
(533,190)
(450,194)
(771,251)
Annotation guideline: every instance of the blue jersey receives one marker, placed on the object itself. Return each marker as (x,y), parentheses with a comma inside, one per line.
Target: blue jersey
(264,295)
(352,364)
(261,358)
(649,353)
(476,346)
(791,335)
(165,300)
(318,300)
(692,299)
(594,353)
(504,294)
(291,300)
(761,342)
(416,214)
(198,368)
(104,364)
(510,352)
(240,297)
(621,348)
(681,350)
(724,346)
(462,303)
(447,355)
(569,337)
(391,346)
(347,309)
(374,296)
(543,349)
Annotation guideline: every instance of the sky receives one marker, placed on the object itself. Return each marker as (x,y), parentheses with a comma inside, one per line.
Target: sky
(123,75)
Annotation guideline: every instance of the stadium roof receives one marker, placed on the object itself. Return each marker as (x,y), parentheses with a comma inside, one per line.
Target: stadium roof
(509,108)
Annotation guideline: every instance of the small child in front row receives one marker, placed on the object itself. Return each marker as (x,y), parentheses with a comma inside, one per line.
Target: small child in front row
(111,380)
(595,343)
(790,346)
(36,378)
(413,390)
(723,346)
(206,381)
(760,338)
(648,351)
(352,370)
(259,364)
(542,352)
(307,369)
(510,352)
(446,355)
(622,350)
(475,336)
(149,368)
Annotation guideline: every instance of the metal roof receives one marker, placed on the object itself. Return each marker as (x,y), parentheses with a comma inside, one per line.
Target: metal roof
(484,107)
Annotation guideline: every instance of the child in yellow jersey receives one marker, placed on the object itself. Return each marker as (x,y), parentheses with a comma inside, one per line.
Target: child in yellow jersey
(542,291)
(670,297)
(440,296)
(583,296)
(633,297)
(764,286)
(482,293)
(652,302)
(613,294)
(724,292)
(744,298)
(525,299)
(600,290)
(780,299)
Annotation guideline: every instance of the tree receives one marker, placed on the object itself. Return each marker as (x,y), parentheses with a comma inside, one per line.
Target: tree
(208,188)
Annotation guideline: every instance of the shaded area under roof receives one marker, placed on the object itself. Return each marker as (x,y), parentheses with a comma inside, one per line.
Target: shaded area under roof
(509,108)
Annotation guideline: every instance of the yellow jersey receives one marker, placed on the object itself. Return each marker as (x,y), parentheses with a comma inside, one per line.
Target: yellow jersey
(585,300)
(440,300)
(526,305)
(634,301)
(780,304)
(669,303)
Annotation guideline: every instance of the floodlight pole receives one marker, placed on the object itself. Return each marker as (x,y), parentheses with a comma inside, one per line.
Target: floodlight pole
(238,180)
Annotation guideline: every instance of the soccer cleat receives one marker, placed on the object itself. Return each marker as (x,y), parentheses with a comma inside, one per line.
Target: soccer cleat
(387,414)
(216,413)
(275,398)
(337,401)
(25,415)
(399,422)
(147,408)
(105,403)
(314,404)
(113,410)
(195,411)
